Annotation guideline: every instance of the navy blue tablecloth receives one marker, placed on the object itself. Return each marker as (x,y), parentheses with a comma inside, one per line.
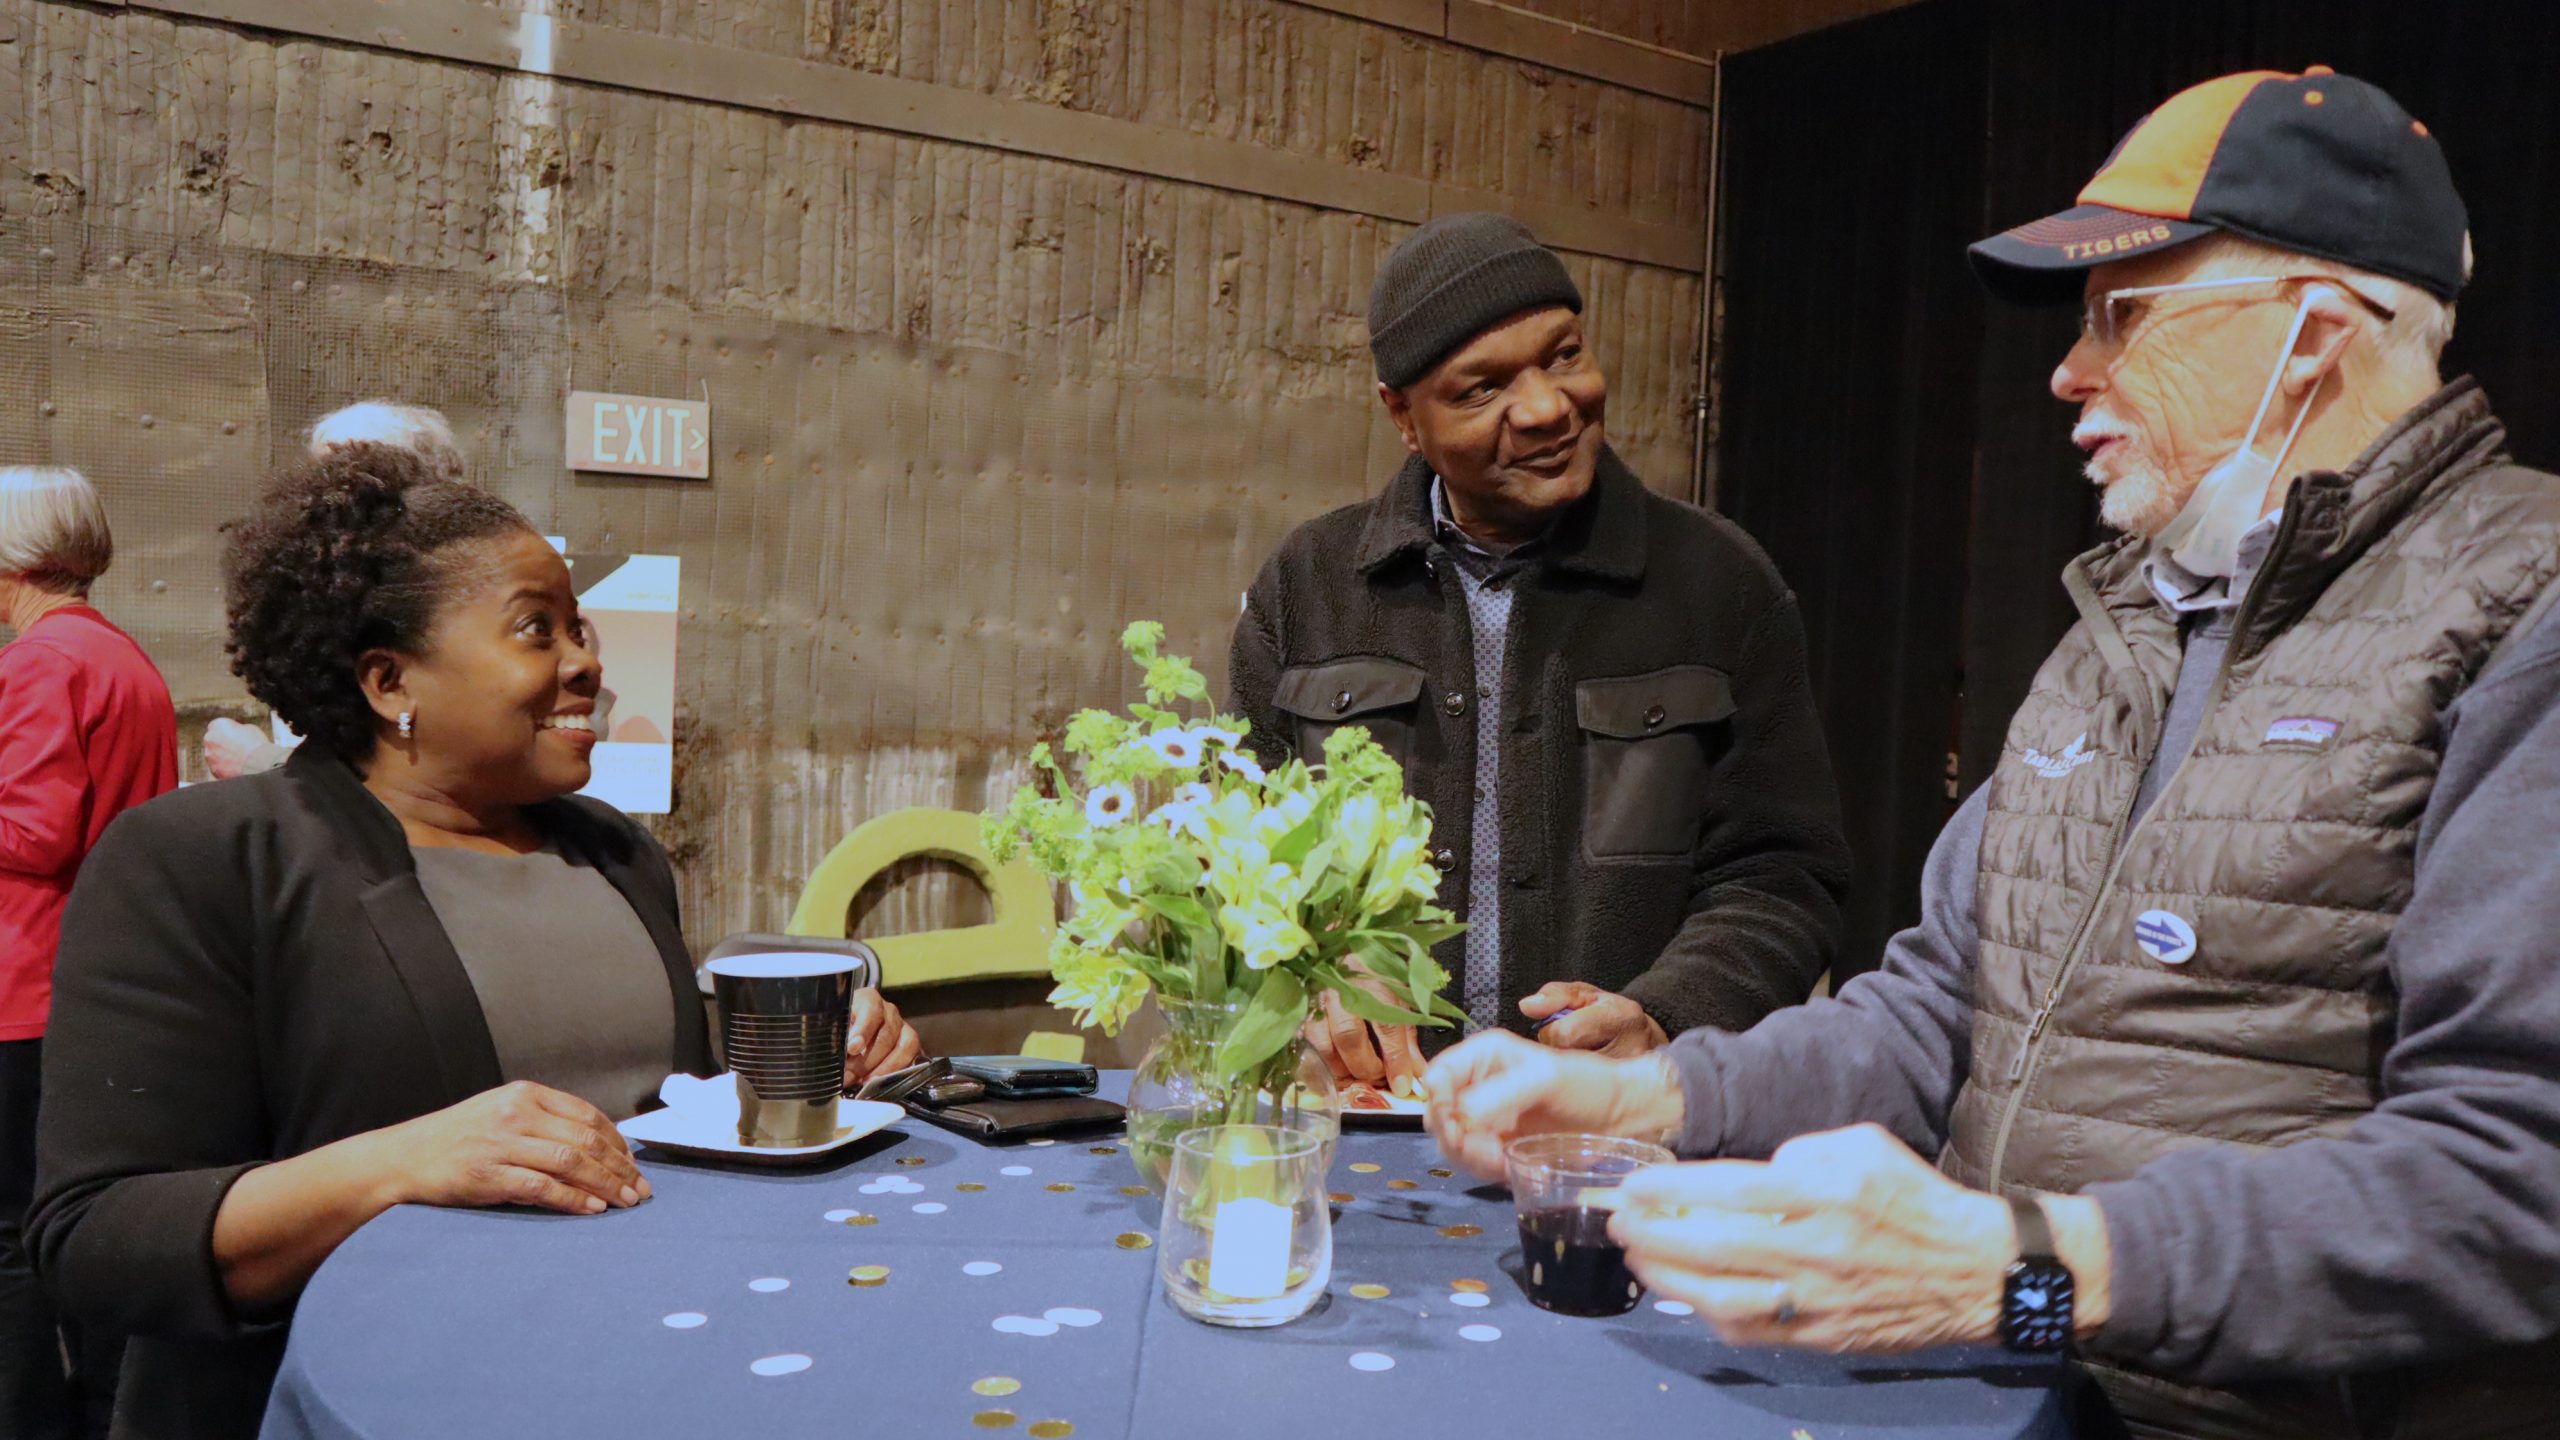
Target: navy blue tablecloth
(722,1307)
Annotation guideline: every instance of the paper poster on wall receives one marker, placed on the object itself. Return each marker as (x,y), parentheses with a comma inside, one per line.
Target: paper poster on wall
(630,605)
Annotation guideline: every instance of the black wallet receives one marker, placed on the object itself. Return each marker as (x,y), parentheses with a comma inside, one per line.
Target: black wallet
(996,1119)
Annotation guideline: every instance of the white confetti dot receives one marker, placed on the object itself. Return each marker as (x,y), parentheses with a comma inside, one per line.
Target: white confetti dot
(1467,1301)
(684,1320)
(1025,1325)
(876,1187)
(1372,1360)
(1478,1332)
(980,1267)
(1675,1307)
(1016,1170)
(931,1207)
(1071,1315)
(781,1365)
(838,1217)
(1036,1144)
(768,1284)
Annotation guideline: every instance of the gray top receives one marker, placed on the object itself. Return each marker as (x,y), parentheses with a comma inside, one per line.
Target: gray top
(2394,1242)
(1484,578)
(572,985)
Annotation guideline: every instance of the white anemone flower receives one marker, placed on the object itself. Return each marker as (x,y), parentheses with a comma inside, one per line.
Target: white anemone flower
(1178,748)
(1209,735)
(1186,810)
(1243,764)
(1108,805)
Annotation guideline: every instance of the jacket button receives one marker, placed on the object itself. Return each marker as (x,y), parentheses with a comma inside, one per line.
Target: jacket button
(1654,717)
(1444,859)
(1455,702)
(1341,702)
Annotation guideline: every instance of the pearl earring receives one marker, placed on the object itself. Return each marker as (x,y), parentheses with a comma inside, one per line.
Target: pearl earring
(408,723)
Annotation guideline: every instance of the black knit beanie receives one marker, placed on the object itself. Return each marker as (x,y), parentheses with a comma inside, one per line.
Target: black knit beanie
(1452,279)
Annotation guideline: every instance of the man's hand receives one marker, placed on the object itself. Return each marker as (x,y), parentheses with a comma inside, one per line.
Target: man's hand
(1843,1241)
(1357,1050)
(1497,1087)
(1603,1021)
(228,744)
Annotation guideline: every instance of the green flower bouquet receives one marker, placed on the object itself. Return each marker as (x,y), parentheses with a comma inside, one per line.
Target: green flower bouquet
(1225,890)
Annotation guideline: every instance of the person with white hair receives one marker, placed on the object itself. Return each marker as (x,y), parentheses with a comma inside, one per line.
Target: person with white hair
(86,732)
(2225,1058)
(233,749)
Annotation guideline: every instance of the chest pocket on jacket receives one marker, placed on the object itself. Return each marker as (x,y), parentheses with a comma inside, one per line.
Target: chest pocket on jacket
(1647,743)
(1382,695)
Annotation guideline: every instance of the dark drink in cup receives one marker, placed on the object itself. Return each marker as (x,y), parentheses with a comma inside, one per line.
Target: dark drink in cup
(1572,1265)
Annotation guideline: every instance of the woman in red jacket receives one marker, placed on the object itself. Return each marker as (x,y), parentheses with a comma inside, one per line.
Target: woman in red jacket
(86,733)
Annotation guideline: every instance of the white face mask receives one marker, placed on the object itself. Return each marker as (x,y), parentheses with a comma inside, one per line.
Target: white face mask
(2205,537)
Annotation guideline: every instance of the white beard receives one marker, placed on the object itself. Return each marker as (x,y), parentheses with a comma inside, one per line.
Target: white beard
(2140,501)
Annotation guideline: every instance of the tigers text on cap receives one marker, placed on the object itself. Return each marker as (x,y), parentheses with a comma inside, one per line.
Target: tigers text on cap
(2318,163)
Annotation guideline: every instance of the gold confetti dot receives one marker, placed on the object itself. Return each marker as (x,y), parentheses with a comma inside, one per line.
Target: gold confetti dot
(858,1218)
(1051,1429)
(1462,1232)
(1438,1173)
(1133,1190)
(997,1386)
(1339,1197)
(1104,1150)
(869,1277)
(1364,1167)
(1134,1240)
(1061,1188)
(1800,1434)
(969,1187)
(1469,1287)
(994,1419)
(1370,1292)
(912,1160)
(1400,1185)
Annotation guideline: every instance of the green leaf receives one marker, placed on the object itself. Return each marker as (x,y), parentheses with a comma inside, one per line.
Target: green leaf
(1374,1010)
(1275,1013)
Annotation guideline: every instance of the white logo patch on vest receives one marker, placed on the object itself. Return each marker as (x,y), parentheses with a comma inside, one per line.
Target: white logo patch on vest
(2054,767)
(2164,937)
(2300,732)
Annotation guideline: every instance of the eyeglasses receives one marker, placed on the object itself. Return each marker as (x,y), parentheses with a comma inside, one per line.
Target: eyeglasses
(2108,318)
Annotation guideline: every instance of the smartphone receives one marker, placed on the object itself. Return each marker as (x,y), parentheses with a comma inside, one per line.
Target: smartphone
(1013,1076)
(897,1085)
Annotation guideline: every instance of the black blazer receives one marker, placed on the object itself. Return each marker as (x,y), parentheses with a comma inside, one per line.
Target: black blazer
(249,970)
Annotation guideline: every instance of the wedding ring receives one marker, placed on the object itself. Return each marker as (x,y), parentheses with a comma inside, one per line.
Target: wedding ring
(1783,1301)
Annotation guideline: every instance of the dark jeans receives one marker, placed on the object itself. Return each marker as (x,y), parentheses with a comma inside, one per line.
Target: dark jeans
(39,1398)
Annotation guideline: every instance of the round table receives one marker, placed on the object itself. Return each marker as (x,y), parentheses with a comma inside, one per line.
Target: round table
(723,1307)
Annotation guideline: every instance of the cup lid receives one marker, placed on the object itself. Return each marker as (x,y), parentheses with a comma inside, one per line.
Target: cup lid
(783,965)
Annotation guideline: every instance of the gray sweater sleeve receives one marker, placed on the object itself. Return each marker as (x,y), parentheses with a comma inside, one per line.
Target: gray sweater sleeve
(2431,1225)
(1890,1048)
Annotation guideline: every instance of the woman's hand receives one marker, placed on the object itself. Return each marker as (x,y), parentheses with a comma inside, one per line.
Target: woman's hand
(520,1144)
(879,1040)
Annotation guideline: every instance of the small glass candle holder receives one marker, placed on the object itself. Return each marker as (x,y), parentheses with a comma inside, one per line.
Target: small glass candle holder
(1247,1237)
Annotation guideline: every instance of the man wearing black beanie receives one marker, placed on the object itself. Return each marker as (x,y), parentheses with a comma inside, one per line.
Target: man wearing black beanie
(1600,692)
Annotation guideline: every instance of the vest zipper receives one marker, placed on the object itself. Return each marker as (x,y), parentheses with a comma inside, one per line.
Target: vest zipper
(2022,1066)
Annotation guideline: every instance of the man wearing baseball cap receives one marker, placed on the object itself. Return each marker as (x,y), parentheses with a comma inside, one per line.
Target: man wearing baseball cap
(2231,1022)
(1600,692)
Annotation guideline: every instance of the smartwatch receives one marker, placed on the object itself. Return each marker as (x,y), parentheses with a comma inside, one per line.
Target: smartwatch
(2036,1292)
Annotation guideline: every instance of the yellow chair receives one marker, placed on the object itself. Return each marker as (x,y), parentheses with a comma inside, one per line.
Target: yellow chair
(1012,945)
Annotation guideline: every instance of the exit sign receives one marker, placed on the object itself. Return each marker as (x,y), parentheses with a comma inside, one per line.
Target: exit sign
(639,435)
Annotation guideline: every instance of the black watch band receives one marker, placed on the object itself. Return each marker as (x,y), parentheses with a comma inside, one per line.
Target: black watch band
(2036,1293)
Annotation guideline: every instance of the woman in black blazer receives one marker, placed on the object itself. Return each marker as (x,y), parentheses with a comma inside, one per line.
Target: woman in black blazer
(274,1014)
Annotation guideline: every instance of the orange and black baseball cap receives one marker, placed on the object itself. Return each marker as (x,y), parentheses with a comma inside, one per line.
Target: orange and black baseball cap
(2319,163)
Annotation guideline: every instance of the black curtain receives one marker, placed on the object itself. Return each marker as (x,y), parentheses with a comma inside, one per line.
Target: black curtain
(1852,176)
(1891,439)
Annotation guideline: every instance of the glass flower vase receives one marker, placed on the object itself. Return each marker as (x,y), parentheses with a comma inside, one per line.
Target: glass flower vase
(1178,1087)
(1247,1236)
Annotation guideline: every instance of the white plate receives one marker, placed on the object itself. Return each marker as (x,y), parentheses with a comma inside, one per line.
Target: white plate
(1402,1111)
(701,1119)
